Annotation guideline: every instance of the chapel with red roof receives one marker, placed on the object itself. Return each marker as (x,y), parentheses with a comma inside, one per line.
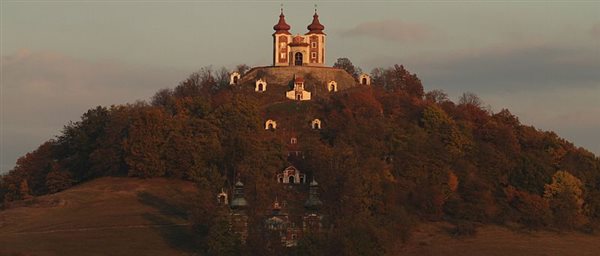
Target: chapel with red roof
(299,50)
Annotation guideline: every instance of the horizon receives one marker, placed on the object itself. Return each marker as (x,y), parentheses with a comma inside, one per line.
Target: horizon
(60,59)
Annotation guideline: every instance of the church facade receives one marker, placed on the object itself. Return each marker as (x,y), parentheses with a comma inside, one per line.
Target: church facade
(298,50)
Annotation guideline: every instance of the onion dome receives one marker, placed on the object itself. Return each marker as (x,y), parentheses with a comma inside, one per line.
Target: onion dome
(315,27)
(238,201)
(313,202)
(281,26)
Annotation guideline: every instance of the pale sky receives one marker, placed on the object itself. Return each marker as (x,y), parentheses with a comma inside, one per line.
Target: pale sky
(539,59)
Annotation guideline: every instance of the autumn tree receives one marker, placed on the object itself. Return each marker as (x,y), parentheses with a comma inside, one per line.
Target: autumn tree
(79,140)
(146,141)
(346,64)
(566,199)
(437,96)
(533,210)
(24,191)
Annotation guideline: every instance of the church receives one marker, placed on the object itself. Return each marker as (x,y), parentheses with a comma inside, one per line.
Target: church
(298,50)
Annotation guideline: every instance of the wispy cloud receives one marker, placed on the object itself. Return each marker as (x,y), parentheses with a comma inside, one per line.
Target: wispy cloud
(42,91)
(392,30)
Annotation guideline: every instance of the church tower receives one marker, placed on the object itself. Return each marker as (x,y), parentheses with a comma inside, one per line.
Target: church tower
(316,40)
(281,38)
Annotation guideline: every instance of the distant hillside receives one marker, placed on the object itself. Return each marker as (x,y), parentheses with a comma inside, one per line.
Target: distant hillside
(107,216)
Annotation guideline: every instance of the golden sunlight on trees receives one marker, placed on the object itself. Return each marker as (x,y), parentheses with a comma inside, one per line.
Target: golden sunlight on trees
(565,196)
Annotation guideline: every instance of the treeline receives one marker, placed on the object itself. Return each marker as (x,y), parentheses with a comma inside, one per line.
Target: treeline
(388,155)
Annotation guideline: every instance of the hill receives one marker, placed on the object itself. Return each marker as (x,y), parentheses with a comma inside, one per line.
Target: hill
(130,216)
(106,216)
(386,156)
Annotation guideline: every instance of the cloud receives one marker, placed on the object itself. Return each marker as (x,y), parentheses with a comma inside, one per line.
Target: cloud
(43,91)
(506,67)
(391,30)
(595,30)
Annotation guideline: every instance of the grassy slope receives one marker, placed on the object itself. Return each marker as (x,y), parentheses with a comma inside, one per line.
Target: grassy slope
(433,239)
(114,216)
(126,216)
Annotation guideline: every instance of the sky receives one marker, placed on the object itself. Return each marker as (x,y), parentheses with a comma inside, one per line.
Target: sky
(539,59)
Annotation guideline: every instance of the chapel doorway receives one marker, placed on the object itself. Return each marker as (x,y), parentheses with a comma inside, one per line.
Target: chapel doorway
(298,59)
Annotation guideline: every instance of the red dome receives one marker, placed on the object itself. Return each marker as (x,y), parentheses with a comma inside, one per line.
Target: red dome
(315,27)
(281,26)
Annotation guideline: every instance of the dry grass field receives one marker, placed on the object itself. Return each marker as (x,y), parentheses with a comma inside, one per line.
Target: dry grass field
(127,216)
(434,239)
(107,216)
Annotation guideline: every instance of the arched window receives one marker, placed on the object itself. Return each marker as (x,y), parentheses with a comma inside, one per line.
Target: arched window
(291,179)
(364,79)
(222,199)
(234,77)
(298,59)
(293,140)
(261,85)
(270,125)
(316,124)
(332,86)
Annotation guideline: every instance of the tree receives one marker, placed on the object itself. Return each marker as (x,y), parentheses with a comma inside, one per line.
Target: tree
(437,96)
(346,64)
(469,98)
(533,210)
(398,79)
(24,190)
(58,180)
(145,144)
(566,199)
(242,68)
(79,140)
